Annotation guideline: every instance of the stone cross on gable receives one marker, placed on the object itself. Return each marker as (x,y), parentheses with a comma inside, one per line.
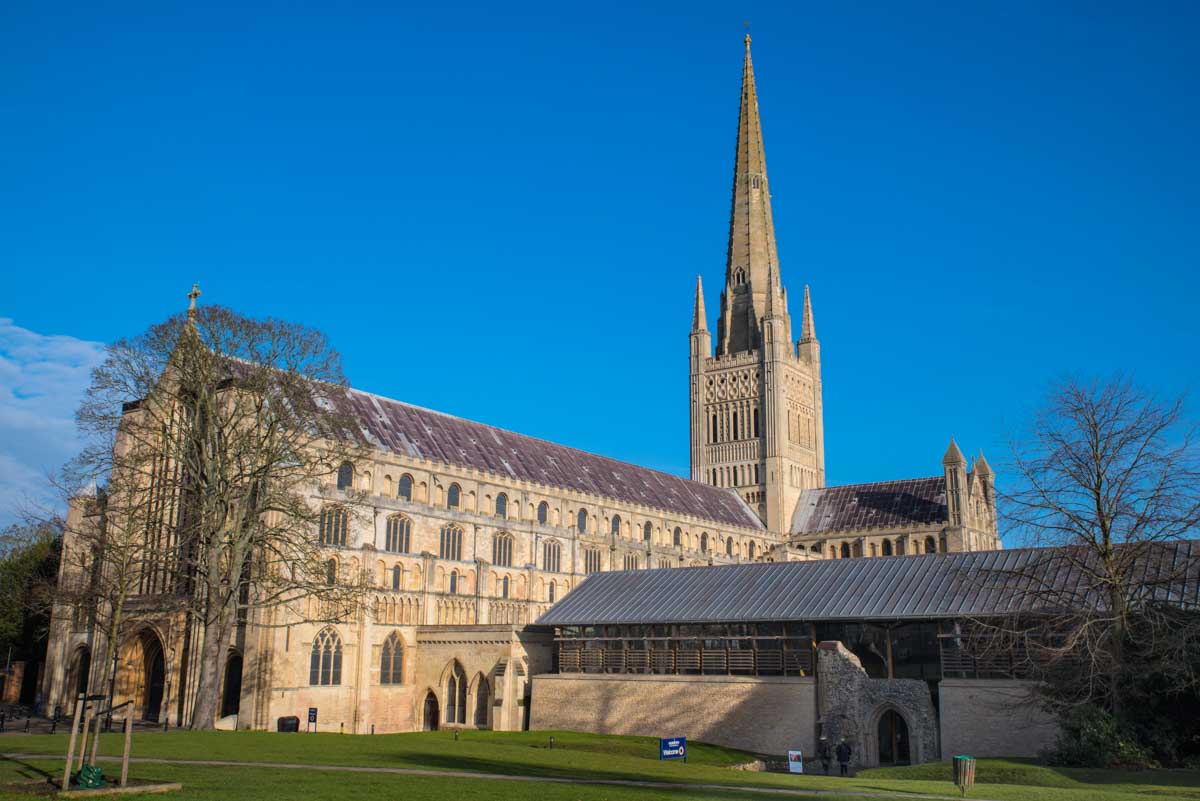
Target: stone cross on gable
(195,293)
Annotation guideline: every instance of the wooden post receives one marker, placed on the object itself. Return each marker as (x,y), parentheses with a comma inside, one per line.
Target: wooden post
(71,748)
(96,736)
(87,721)
(128,742)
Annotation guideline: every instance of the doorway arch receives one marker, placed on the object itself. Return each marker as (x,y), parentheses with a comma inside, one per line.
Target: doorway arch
(77,680)
(231,696)
(155,677)
(893,742)
(431,713)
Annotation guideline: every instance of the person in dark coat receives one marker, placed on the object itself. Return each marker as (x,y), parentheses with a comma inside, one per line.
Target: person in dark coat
(824,754)
(843,756)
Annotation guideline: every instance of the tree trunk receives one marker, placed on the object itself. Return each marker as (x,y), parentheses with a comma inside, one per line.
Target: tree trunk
(214,646)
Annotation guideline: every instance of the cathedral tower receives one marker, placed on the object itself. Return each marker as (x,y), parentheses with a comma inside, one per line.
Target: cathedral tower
(756,405)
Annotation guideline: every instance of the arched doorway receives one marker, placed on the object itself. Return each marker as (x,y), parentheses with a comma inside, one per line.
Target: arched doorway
(81,667)
(431,714)
(893,739)
(231,697)
(156,678)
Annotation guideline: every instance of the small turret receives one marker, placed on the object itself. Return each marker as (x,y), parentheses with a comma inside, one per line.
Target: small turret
(954,456)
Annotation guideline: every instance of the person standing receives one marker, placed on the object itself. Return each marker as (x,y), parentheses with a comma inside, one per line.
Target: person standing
(824,754)
(843,756)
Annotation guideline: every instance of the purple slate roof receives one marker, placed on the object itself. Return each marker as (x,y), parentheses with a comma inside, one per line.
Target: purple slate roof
(885,504)
(422,433)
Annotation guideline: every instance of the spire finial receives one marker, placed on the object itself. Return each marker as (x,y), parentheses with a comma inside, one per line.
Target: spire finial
(195,293)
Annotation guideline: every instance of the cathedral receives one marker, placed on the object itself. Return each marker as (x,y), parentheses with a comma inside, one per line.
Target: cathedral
(473,533)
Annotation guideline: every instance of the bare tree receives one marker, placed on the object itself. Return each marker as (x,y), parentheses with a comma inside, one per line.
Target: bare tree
(214,432)
(1110,476)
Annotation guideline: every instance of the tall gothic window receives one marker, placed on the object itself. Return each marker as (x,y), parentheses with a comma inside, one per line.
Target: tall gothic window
(391,661)
(704,542)
(750,551)
(397,577)
(616,526)
(735,426)
(404,488)
(502,505)
(504,587)
(591,560)
(550,592)
(399,534)
(453,582)
(551,556)
(543,513)
(755,419)
(456,696)
(677,537)
(345,476)
(453,497)
(331,572)
(647,531)
(325,663)
(581,521)
(729,547)
(450,543)
(502,550)
(335,522)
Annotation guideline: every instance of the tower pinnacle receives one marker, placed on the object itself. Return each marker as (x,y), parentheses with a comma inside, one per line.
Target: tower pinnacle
(699,318)
(808,328)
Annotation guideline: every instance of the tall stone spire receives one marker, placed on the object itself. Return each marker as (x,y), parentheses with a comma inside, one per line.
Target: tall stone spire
(752,266)
(699,318)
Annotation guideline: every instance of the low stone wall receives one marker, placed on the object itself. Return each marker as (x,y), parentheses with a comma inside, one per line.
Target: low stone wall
(992,717)
(763,715)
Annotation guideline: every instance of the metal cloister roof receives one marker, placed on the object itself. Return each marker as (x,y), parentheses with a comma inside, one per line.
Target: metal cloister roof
(871,588)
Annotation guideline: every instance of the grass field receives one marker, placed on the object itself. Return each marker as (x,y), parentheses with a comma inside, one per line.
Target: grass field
(575,756)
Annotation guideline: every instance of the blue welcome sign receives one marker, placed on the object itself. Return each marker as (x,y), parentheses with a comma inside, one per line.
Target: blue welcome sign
(673,748)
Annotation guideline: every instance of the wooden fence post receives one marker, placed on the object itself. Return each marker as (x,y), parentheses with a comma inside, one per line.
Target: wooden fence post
(96,737)
(128,742)
(66,782)
(87,721)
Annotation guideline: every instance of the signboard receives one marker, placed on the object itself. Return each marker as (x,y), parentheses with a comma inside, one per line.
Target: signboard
(312,714)
(795,761)
(673,748)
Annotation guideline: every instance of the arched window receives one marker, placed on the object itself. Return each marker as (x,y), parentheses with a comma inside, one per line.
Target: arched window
(616,526)
(397,577)
(404,488)
(550,592)
(456,696)
(502,505)
(331,572)
(887,547)
(714,429)
(543,513)
(750,551)
(704,542)
(391,661)
(335,522)
(729,547)
(502,550)
(735,426)
(845,550)
(453,578)
(483,703)
(504,587)
(325,663)
(755,419)
(647,531)
(345,476)
(399,534)
(581,521)
(450,543)
(677,537)
(453,497)
(551,556)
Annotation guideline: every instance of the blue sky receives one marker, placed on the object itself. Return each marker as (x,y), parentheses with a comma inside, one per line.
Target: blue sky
(500,211)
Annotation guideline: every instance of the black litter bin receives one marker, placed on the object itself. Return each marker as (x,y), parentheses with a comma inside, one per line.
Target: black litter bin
(289,723)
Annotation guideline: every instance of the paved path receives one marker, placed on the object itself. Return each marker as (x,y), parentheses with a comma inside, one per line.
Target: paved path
(462,774)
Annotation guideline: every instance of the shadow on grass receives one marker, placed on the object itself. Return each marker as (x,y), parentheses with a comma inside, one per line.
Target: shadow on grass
(28,770)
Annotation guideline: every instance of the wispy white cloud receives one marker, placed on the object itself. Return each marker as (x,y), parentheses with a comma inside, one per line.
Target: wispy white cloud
(42,379)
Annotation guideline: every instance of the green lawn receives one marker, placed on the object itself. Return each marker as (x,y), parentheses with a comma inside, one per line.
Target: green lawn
(579,756)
